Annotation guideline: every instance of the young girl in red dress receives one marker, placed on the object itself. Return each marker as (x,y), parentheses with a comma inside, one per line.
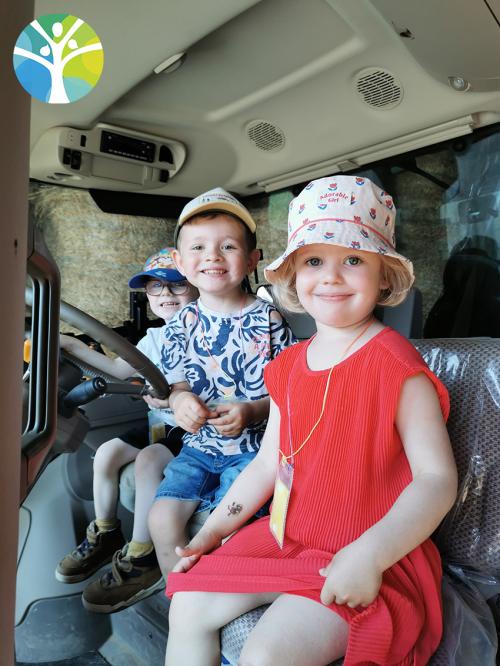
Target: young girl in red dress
(357,453)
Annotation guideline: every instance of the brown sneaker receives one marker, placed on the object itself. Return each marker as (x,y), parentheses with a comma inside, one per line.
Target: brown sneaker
(129,580)
(94,552)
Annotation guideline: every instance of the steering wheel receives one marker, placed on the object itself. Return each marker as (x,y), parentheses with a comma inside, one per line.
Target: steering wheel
(41,395)
(120,346)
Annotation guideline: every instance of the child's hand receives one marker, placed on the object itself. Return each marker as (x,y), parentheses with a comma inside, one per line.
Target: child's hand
(352,578)
(155,402)
(190,412)
(231,418)
(201,543)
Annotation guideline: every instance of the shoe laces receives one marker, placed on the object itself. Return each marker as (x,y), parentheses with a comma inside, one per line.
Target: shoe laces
(89,543)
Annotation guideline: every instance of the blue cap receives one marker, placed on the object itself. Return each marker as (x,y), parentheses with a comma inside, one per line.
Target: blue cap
(159,265)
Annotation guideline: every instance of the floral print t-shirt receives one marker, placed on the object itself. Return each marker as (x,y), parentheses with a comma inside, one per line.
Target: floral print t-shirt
(222,357)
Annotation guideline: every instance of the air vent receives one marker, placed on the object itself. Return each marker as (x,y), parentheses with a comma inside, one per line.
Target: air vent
(379,88)
(265,136)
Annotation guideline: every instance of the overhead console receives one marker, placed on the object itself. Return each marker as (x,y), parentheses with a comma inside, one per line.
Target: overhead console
(454,41)
(107,157)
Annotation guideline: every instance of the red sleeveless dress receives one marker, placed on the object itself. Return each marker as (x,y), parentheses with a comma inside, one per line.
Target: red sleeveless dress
(346,478)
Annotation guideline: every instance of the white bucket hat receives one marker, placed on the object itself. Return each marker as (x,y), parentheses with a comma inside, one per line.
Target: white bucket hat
(217,200)
(342,210)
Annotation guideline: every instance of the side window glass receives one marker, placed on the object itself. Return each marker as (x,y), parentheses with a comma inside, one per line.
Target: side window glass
(469,304)
(448,223)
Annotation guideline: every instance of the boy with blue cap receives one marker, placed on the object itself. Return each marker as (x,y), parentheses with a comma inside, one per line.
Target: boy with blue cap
(135,573)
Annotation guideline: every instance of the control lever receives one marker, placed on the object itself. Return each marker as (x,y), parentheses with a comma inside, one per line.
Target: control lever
(97,386)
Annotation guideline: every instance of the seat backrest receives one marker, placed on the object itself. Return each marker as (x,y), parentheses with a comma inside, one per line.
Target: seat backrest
(406,318)
(302,324)
(470,369)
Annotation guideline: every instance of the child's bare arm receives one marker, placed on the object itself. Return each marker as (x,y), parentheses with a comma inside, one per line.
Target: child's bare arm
(247,494)
(234,416)
(116,367)
(424,503)
(355,573)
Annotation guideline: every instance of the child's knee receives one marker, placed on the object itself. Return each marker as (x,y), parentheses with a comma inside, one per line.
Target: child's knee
(106,456)
(149,458)
(188,610)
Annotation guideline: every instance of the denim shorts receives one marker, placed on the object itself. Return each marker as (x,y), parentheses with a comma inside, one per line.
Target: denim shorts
(198,476)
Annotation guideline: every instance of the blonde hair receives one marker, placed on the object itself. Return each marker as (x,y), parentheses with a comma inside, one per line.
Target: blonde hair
(399,280)
(392,271)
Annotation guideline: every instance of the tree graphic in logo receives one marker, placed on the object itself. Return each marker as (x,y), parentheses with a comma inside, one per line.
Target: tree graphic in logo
(58,58)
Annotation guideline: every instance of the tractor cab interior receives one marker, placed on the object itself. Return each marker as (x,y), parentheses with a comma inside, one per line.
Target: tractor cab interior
(258,97)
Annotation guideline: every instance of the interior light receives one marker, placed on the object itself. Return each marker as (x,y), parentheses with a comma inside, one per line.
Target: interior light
(459,84)
(170,64)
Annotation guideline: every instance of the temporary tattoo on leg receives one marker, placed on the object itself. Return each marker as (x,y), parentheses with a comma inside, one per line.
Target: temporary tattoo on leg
(234,509)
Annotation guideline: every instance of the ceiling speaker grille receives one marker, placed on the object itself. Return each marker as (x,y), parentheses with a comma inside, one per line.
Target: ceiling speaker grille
(379,88)
(265,136)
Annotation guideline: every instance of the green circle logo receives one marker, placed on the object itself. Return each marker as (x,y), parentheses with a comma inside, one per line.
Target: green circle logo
(58,58)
